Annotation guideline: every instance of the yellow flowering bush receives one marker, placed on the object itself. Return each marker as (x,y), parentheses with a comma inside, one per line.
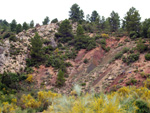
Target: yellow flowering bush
(29,78)
(14,100)
(122,101)
(29,102)
(147,83)
(8,108)
(43,95)
(105,35)
(0,110)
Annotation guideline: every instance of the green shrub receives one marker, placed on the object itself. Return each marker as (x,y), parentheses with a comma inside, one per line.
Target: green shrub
(90,46)
(7,35)
(127,40)
(125,50)
(46,41)
(83,42)
(47,49)
(13,38)
(120,44)
(72,54)
(131,58)
(147,56)
(119,55)
(131,50)
(85,61)
(141,47)
(133,35)
(132,81)
(29,70)
(103,41)
(10,80)
(143,107)
(68,64)
(98,37)
(83,84)
(103,46)
(59,45)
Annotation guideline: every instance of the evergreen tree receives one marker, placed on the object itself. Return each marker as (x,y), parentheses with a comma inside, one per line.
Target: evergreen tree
(107,24)
(123,24)
(141,47)
(75,13)
(4,25)
(4,22)
(114,21)
(80,30)
(54,20)
(64,32)
(36,49)
(25,26)
(46,21)
(13,25)
(18,28)
(32,24)
(60,78)
(102,23)
(146,28)
(132,19)
(94,16)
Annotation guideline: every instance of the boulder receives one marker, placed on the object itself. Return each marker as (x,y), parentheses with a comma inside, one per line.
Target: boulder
(1,49)
(53,43)
(110,78)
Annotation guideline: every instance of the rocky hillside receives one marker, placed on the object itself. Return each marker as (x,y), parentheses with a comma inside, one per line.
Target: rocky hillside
(13,54)
(94,69)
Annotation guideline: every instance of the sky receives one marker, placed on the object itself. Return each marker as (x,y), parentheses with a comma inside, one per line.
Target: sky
(37,10)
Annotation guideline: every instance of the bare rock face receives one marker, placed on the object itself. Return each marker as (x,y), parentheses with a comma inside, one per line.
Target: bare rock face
(74,27)
(1,55)
(1,49)
(13,55)
(53,43)
(4,49)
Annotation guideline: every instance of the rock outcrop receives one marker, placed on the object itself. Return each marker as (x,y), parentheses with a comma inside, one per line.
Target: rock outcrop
(13,55)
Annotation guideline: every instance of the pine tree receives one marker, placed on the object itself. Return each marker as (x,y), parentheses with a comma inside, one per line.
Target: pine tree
(60,78)
(25,26)
(102,23)
(132,20)
(18,28)
(54,20)
(80,30)
(64,32)
(146,28)
(94,16)
(75,13)
(46,21)
(13,25)
(114,21)
(36,49)
(32,24)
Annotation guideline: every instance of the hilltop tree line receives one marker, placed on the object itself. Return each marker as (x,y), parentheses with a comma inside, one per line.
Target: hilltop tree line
(17,27)
(131,23)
